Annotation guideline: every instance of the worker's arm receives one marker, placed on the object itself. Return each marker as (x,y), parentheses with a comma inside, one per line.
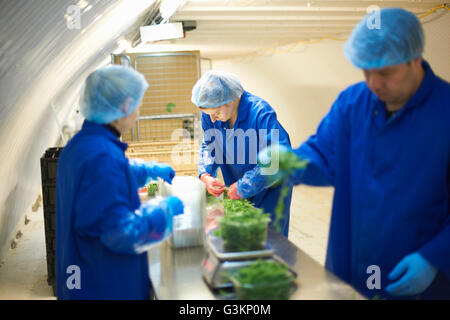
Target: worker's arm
(211,149)
(437,250)
(320,149)
(104,211)
(254,181)
(142,171)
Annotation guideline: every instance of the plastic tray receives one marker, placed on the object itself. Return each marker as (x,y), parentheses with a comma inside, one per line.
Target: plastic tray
(216,246)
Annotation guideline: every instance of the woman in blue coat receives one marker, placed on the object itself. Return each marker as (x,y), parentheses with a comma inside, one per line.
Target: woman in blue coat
(102,229)
(236,125)
(385,147)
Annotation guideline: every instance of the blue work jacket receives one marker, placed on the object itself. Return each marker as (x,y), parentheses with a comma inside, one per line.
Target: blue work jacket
(95,191)
(237,156)
(392,183)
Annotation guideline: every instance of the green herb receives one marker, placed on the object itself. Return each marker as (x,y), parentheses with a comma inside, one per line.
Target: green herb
(244,227)
(280,207)
(263,280)
(152,188)
(288,163)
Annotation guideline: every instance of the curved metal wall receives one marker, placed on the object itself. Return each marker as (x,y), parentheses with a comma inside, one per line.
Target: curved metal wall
(44,60)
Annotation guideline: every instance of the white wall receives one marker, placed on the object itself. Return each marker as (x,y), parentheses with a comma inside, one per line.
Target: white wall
(301,85)
(437,44)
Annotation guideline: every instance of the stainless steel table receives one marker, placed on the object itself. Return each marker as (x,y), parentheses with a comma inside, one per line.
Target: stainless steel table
(176,273)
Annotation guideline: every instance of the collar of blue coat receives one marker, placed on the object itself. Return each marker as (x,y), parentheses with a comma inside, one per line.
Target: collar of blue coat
(92,128)
(421,94)
(243,107)
(242,111)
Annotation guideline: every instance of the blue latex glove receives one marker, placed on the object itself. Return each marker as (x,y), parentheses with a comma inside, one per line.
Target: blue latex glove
(416,276)
(136,232)
(143,171)
(162,170)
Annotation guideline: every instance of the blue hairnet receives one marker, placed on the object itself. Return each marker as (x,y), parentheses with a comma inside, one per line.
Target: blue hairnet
(106,89)
(216,88)
(397,39)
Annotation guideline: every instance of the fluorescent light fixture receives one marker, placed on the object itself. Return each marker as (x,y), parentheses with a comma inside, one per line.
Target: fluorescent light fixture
(164,31)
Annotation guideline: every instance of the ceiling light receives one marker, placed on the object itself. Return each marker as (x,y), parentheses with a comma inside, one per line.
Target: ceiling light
(164,31)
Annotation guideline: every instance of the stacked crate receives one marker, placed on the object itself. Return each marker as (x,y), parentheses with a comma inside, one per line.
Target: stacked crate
(166,111)
(49,168)
(182,156)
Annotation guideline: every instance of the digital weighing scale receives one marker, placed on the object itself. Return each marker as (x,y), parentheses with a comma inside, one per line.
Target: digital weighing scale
(218,265)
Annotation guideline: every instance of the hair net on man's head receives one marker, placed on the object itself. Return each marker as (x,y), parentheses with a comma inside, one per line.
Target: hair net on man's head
(105,91)
(397,37)
(216,88)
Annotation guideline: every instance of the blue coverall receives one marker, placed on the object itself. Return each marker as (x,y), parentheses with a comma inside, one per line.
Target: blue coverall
(257,115)
(392,183)
(95,192)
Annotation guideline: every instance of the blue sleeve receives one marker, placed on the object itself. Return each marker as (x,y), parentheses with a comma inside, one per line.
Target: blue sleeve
(139,171)
(104,211)
(253,182)
(267,119)
(210,149)
(437,251)
(143,171)
(320,149)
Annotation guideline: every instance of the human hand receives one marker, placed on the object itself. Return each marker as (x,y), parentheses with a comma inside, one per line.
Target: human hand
(233,192)
(213,186)
(164,171)
(416,276)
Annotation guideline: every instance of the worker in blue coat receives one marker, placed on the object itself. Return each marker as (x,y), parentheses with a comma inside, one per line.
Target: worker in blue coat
(236,125)
(102,229)
(385,147)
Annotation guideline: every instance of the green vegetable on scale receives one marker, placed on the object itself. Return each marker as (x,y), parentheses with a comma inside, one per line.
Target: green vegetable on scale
(243,227)
(263,280)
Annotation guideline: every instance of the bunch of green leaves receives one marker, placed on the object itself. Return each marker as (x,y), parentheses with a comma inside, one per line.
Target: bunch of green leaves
(263,279)
(240,205)
(288,163)
(152,188)
(244,227)
(279,209)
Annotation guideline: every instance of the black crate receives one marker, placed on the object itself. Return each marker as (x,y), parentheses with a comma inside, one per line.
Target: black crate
(49,195)
(49,165)
(49,168)
(49,220)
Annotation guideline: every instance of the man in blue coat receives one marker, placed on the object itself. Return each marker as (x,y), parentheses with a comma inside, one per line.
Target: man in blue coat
(385,147)
(102,230)
(236,126)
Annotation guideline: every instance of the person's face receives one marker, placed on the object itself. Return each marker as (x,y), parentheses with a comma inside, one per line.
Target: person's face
(130,120)
(222,113)
(126,123)
(394,84)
